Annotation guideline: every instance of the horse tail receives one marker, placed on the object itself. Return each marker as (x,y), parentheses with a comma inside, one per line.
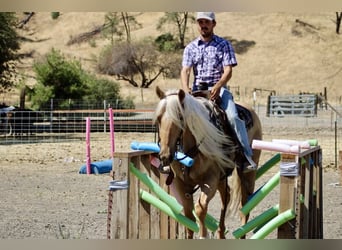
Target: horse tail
(235,193)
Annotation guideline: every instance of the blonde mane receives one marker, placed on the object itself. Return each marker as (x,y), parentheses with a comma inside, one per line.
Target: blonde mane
(194,115)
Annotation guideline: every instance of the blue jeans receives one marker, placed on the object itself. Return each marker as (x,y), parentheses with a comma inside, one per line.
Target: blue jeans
(237,124)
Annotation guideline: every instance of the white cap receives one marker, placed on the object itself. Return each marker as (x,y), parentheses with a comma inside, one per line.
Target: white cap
(206,15)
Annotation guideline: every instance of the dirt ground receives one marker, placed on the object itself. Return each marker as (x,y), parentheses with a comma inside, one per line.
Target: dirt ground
(44,197)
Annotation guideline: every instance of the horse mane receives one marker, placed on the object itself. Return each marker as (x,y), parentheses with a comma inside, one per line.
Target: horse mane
(193,114)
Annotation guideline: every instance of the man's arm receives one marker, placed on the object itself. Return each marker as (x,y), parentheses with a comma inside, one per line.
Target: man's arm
(185,77)
(227,74)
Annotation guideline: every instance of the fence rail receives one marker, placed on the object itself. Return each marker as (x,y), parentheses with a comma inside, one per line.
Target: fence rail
(300,105)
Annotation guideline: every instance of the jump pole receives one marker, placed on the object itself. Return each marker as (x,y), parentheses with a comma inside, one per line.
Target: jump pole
(172,204)
(111,128)
(88,159)
(261,193)
(166,209)
(267,165)
(277,221)
(257,221)
(160,192)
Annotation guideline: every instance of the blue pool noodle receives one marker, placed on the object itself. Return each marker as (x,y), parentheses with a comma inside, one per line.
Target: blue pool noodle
(98,167)
(150,146)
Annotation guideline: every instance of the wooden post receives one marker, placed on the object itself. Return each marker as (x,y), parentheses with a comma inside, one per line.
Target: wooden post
(340,166)
(288,197)
(132,217)
(303,192)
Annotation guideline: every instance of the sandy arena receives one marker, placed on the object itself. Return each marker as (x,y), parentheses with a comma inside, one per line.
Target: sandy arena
(44,197)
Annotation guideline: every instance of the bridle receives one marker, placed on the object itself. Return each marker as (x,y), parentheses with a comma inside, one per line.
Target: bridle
(193,151)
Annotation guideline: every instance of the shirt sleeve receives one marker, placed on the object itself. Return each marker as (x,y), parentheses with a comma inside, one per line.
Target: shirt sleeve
(229,55)
(187,58)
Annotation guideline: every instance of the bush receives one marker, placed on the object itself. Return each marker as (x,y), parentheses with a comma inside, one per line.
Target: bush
(65,80)
(166,42)
(54,15)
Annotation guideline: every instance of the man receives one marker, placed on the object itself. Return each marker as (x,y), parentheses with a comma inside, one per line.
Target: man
(212,59)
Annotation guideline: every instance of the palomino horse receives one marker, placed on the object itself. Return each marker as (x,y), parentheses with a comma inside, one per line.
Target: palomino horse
(184,124)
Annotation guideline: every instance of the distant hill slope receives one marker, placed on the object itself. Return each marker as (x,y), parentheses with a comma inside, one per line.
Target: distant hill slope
(285,52)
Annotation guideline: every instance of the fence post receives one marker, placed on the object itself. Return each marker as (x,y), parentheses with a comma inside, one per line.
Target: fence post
(340,166)
(288,195)
(303,192)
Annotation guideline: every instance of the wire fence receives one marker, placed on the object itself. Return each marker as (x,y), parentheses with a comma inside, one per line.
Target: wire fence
(52,126)
(69,125)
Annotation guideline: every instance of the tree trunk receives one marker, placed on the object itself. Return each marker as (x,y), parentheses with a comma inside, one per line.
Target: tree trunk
(338,22)
(22,97)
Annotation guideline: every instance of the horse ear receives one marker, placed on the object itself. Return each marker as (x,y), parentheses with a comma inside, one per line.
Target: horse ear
(160,93)
(181,95)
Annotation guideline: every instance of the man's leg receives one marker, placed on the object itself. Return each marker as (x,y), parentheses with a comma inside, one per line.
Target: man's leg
(238,125)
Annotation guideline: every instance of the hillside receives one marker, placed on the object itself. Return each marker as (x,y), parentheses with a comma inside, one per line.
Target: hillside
(274,51)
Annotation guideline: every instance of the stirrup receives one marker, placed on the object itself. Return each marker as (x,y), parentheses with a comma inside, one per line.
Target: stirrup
(249,165)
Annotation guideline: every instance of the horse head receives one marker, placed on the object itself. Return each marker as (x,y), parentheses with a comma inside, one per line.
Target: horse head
(169,120)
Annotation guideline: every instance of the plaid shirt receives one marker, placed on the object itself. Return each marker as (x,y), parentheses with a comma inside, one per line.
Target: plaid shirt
(208,59)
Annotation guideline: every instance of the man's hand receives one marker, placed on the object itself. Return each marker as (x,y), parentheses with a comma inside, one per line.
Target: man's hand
(214,92)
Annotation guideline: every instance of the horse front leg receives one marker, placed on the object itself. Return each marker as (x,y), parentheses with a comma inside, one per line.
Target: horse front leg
(188,206)
(224,191)
(186,199)
(201,208)
(247,189)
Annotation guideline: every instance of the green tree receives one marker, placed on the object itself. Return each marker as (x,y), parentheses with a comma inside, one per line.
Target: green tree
(62,78)
(66,82)
(120,24)
(138,63)
(178,25)
(9,44)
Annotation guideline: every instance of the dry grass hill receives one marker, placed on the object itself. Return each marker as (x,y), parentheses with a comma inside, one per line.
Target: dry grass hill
(285,52)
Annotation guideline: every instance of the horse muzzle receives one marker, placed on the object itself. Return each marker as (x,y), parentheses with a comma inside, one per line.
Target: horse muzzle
(165,158)
(166,161)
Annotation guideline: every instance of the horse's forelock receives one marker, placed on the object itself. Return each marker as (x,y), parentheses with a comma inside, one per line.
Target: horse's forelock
(170,108)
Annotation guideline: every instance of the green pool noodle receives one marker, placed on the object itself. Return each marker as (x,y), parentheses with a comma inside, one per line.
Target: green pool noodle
(209,221)
(313,142)
(260,194)
(166,209)
(161,193)
(274,223)
(260,219)
(267,165)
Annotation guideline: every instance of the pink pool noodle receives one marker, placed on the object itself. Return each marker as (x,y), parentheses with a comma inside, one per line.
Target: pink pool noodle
(302,144)
(265,145)
(111,125)
(88,160)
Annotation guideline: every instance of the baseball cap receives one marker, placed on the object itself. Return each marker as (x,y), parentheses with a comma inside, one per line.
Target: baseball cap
(206,15)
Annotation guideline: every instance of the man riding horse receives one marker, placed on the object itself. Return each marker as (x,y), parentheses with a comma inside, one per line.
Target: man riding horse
(212,59)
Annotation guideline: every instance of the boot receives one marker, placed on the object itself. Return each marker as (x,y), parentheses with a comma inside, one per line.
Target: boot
(249,164)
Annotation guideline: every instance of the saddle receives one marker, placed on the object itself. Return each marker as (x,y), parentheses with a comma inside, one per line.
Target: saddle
(219,117)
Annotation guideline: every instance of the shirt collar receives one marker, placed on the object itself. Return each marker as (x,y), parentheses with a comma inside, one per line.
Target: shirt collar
(199,41)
